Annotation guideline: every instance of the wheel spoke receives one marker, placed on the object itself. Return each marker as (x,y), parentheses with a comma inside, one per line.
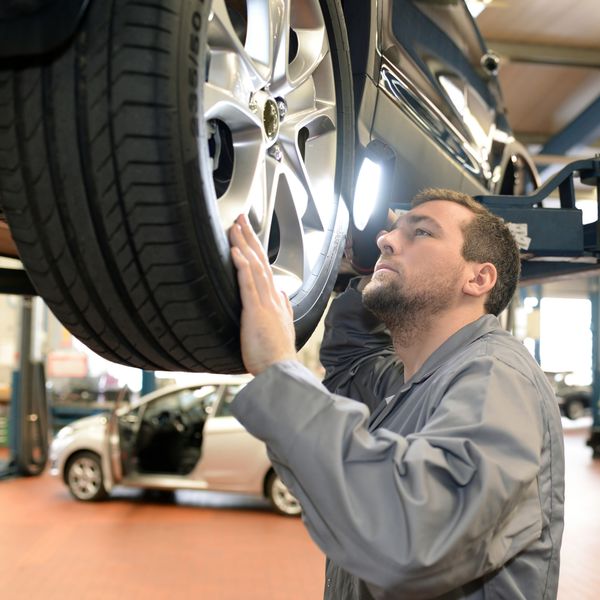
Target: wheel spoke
(290,265)
(311,163)
(320,118)
(311,34)
(261,215)
(279,16)
(222,36)
(248,189)
(220,102)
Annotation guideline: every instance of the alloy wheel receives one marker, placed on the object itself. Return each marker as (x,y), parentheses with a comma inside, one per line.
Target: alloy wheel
(269,105)
(85,478)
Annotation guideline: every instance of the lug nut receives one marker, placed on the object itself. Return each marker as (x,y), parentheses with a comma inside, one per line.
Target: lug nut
(276,152)
(282,107)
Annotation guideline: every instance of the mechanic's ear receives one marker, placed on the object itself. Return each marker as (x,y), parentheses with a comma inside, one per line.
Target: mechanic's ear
(482,279)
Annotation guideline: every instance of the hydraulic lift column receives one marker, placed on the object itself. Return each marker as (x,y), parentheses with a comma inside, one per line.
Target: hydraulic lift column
(28,407)
(30,433)
(594,441)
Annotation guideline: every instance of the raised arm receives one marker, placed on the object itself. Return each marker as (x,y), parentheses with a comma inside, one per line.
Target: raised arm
(357,351)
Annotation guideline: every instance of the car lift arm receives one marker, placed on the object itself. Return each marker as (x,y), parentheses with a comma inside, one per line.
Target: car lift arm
(552,235)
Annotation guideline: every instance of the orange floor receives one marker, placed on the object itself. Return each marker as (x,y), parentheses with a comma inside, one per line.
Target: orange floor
(213,546)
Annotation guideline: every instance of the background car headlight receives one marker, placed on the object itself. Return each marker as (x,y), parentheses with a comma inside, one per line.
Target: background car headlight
(64,432)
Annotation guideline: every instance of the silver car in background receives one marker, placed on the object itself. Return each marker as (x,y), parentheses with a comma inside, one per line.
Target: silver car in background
(179,437)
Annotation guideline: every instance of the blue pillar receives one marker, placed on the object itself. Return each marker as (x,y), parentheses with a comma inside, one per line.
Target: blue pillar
(537,350)
(148,382)
(594,441)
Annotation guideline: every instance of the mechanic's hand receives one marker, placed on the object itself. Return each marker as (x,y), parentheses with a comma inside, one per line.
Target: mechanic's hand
(267,331)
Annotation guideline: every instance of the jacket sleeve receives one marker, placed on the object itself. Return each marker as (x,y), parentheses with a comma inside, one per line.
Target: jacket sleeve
(357,352)
(414,516)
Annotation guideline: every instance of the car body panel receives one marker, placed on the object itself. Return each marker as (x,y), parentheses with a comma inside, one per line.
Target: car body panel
(87,434)
(426,95)
(220,467)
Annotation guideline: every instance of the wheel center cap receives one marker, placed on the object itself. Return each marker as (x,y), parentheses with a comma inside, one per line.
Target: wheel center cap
(265,106)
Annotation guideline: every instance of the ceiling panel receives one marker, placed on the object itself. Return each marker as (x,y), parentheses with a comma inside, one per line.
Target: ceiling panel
(562,22)
(542,45)
(542,99)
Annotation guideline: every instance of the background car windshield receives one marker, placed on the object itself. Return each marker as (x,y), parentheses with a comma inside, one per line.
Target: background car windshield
(183,400)
(224,409)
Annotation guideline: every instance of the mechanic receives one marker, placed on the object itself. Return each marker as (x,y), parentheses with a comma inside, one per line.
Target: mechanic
(446,478)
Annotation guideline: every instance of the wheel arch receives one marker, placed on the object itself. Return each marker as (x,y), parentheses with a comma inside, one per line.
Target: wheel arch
(268,474)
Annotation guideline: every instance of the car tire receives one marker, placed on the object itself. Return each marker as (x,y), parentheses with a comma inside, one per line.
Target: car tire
(84,477)
(575,407)
(281,499)
(126,155)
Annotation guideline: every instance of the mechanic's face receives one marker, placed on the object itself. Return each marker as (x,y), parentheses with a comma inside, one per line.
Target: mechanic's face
(421,269)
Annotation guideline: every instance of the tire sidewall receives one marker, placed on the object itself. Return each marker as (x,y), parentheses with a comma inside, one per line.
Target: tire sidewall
(213,244)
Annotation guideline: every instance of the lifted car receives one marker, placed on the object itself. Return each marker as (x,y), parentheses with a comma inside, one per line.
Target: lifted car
(133,133)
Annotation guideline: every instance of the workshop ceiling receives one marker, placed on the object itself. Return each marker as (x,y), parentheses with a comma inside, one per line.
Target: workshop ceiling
(550,73)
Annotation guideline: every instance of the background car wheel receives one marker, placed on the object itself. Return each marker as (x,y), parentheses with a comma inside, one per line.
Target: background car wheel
(281,499)
(575,407)
(84,477)
(126,155)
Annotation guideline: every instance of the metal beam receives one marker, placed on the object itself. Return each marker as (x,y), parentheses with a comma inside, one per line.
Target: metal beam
(568,56)
(16,281)
(558,159)
(584,128)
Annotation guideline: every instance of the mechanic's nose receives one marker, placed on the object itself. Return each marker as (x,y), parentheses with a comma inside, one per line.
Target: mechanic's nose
(385,243)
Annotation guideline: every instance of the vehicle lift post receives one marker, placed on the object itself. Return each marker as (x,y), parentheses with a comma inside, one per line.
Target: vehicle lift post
(28,439)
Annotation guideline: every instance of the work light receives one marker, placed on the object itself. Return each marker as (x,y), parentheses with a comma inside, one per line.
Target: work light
(372,198)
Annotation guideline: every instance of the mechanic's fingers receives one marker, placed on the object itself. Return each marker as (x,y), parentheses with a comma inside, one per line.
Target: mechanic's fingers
(287,303)
(248,291)
(252,240)
(258,268)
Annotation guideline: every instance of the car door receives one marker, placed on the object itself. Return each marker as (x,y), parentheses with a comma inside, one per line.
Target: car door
(114,430)
(166,441)
(232,459)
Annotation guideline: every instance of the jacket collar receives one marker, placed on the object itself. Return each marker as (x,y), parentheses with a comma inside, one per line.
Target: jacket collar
(462,338)
(457,341)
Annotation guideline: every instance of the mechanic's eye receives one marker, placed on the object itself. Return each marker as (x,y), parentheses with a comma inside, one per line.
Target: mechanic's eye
(422,232)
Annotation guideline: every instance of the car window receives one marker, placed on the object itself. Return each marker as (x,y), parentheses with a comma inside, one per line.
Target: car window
(231,391)
(204,396)
(182,400)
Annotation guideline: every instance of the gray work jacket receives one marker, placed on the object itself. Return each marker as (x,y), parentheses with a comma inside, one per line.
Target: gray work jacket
(451,485)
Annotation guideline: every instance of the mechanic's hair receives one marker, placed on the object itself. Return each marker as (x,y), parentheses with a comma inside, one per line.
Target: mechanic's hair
(487,239)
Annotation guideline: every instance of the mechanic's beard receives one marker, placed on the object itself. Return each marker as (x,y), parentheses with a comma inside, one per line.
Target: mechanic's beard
(406,313)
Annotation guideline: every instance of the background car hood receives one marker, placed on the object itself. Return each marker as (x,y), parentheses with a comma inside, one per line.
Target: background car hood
(98,420)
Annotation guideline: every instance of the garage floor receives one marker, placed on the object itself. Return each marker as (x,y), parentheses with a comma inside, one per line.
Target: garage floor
(213,546)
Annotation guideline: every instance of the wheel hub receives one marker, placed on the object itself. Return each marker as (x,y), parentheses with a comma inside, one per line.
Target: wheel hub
(267,109)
